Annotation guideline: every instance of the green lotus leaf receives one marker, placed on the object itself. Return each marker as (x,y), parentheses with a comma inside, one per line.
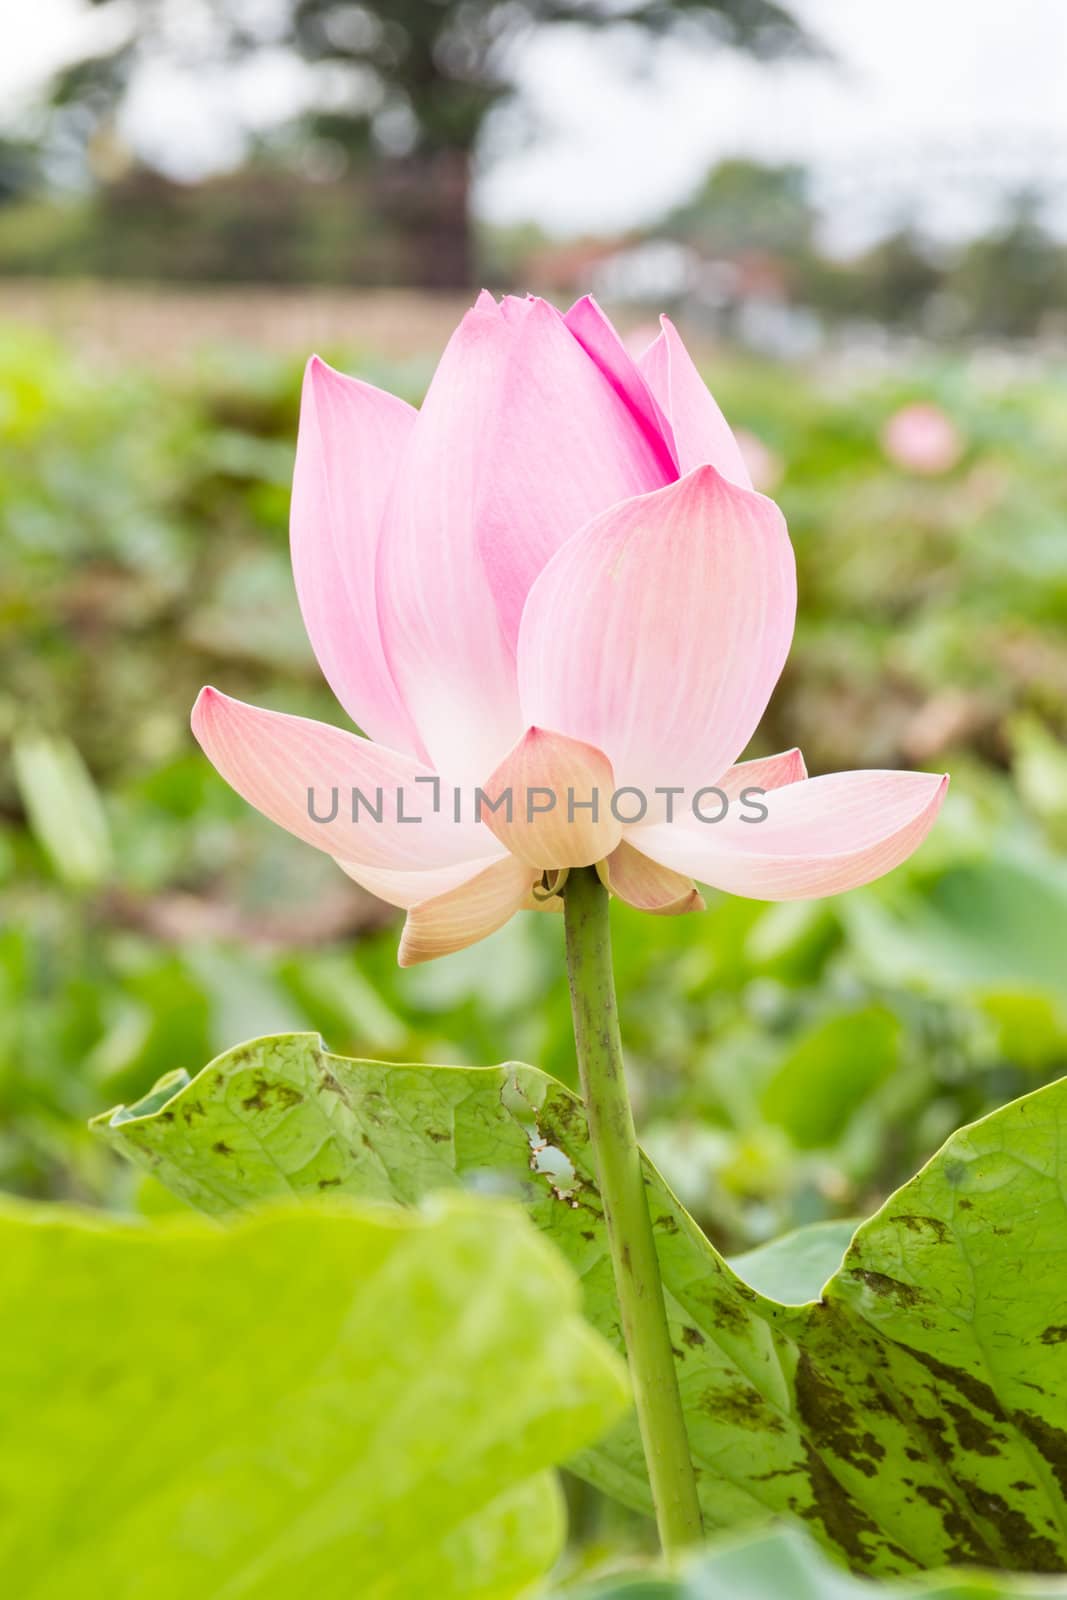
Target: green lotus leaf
(328,1399)
(912,1415)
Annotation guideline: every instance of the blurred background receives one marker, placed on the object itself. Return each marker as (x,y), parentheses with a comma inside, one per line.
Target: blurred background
(857,216)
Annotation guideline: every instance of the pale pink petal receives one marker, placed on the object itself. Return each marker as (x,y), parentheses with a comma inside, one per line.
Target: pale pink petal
(701,432)
(400,887)
(274,761)
(451,662)
(821,836)
(351,437)
(462,916)
(643,883)
(514,309)
(597,336)
(551,799)
(657,634)
(565,445)
(766,772)
(520,441)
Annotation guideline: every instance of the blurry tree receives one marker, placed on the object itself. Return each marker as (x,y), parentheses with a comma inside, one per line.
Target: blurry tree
(419,77)
(19,172)
(893,283)
(744,206)
(899,278)
(1008,281)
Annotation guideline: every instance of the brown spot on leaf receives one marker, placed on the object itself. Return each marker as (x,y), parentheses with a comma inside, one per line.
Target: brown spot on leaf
(744,1407)
(728,1315)
(925,1225)
(972,1432)
(879,1283)
(967,1543)
(1031,1551)
(832,1422)
(971,1388)
(1048,1440)
(846,1524)
(268,1092)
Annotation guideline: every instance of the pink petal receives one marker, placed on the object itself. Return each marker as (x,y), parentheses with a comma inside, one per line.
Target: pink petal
(701,432)
(451,662)
(273,760)
(462,916)
(520,441)
(406,888)
(766,772)
(821,836)
(566,445)
(560,792)
(643,883)
(657,634)
(351,436)
(598,338)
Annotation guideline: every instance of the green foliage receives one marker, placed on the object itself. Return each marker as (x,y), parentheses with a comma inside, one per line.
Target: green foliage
(143,553)
(913,1415)
(288,1394)
(791,1064)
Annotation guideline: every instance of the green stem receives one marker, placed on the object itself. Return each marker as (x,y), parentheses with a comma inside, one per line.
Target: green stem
(622,1190)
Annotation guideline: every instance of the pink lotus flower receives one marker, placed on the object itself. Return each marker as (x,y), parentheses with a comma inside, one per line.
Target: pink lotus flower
(555,579)
(921,438)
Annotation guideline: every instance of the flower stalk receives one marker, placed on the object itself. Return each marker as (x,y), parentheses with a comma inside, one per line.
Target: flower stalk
(622,1189)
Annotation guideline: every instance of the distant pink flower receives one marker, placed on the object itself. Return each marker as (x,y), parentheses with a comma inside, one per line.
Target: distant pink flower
(921,438)
(764,466)
(555,579)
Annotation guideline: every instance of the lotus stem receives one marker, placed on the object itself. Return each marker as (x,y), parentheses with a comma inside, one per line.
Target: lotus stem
(622,1190)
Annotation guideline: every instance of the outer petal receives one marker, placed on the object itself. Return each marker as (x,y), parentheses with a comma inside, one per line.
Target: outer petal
(701,432)
(597,336)
(463,916)
(273,760)
(567,444)
(406,888)
(766,772)
(643,883)
(351,437)
(658,632)
(821,836)
(554,796)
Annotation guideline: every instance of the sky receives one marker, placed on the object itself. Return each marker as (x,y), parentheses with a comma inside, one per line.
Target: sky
(934,106)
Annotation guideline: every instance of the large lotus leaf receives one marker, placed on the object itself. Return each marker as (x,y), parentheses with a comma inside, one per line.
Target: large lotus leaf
(785,1566)
(330,1400)
(913,1415)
